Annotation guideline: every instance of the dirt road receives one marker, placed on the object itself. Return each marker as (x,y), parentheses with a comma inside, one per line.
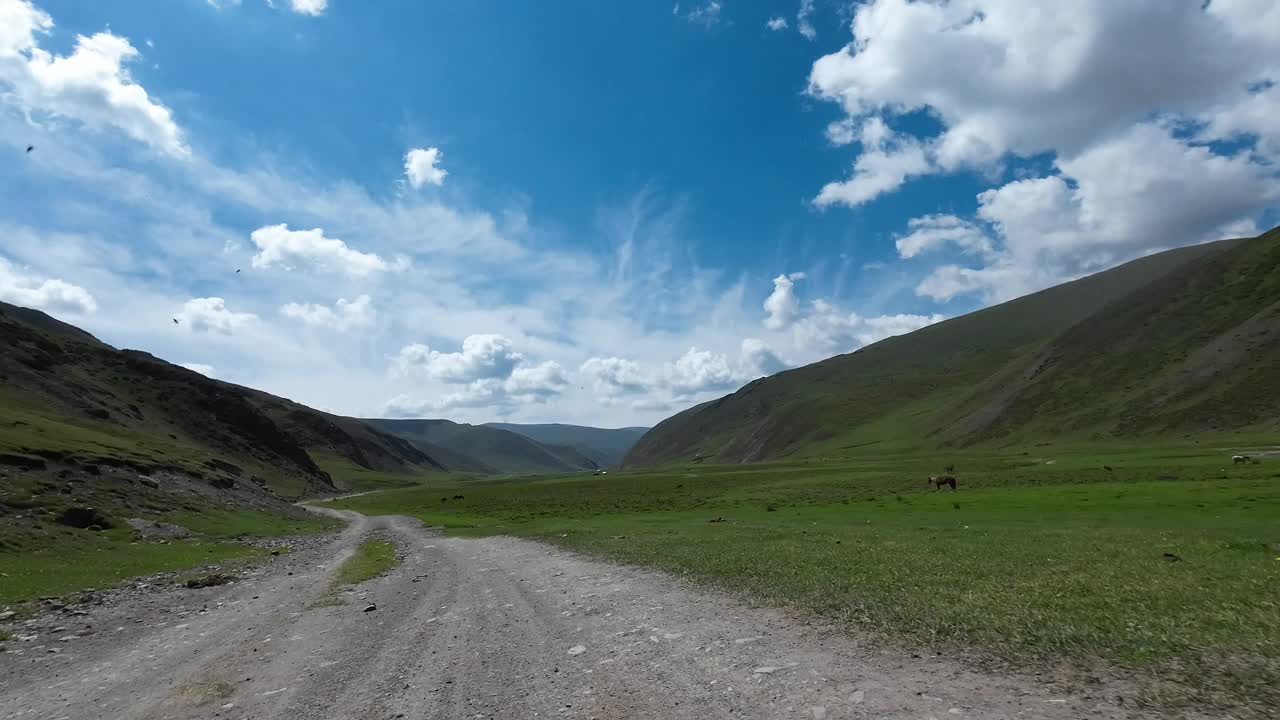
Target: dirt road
(494,628)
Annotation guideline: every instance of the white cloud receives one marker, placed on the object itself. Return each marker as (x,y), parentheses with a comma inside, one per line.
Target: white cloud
(1003,76)
(303,249)
(49,294)
(482,356)
(776,23)
(843,131)
(492,375)
(887,160)
(420,167)
(91,85)
(344,315)
(781,306)
(1136,193)
(932,232)
(1136,165)
(803,24)
(210,314)
(614,376)
(536,381)
(758,359)
(698,371)
(206,370)
(309,7)
(828,330)
(1253,115)
(707,15)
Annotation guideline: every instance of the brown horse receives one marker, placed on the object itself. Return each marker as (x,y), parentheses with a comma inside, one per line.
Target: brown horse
(938,481)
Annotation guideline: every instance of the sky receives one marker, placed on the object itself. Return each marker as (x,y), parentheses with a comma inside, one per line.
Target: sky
(602,213)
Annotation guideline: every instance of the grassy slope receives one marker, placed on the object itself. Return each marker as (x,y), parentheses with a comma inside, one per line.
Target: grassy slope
(1029,558)
(896,394)
(604,446)
(39,557)
(67,391)
(1197,350)
(495,449)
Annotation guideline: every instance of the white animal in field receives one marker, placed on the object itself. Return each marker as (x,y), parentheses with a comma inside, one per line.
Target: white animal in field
(1237,459)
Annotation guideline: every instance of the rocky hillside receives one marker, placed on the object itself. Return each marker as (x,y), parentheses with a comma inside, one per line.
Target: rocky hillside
(1183,341)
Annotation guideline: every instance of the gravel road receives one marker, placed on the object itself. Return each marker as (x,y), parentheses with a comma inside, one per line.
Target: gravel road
(492,628)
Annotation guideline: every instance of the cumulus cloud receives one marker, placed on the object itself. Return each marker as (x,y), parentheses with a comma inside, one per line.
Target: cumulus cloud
(699,371)
(694,373)
(491,375)
(420,167)
(91,85)
(482,357)
(1005,77)
(210,314)
(1137,160)
(1140,191)
(782,306)
(303,249)
(49,294)
(776,23)
(613,376)
(206,370)
(344,315)
(804,25)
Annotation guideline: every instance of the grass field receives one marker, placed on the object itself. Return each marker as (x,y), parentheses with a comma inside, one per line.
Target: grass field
(349,477)
(39,557)
(1045,554)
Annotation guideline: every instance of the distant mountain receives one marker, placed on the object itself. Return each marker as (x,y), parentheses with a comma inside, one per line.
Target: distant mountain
(1183,341)
(486,449)
(604,446)
(67,396)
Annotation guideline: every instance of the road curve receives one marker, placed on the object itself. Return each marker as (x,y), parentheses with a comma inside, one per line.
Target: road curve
(492,628)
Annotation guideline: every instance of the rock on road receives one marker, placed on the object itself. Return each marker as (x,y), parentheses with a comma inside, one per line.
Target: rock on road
(490,628)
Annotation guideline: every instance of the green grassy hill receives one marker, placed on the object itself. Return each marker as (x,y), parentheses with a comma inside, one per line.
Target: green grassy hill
(487,449)
(68,397)
(604,446)
(1177,342)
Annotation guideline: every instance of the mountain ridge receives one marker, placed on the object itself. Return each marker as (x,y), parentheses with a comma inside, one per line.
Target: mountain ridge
(940,385)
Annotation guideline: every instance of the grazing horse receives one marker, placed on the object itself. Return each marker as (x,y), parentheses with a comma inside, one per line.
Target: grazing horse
(939,480)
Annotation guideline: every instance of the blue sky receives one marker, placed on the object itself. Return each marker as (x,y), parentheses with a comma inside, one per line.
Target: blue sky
(601,212)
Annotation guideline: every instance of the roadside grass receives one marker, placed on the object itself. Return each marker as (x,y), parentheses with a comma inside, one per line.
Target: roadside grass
(371,559)
(99,560)
(227,523)
(40,557)
(1028,560)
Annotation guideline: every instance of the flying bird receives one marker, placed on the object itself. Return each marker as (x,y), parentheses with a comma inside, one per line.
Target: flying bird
(175,321)
(30,148)
(237,271)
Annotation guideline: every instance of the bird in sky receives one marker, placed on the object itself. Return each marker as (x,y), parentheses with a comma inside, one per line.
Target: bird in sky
(175,321)
(30,148)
